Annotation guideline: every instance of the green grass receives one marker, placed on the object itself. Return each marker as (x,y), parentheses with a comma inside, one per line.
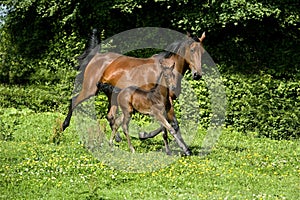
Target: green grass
(240,166)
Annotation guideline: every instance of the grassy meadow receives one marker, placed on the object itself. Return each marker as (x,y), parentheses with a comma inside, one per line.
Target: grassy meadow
(38,163)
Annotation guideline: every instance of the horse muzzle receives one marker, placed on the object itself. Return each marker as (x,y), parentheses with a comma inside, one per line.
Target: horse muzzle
(172,88)
(197,76)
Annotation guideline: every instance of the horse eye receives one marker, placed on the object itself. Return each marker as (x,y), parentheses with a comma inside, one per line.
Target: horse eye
(192,50)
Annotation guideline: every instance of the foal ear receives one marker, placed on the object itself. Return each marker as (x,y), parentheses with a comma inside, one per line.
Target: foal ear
(188,34)
(173,66)
(202,37)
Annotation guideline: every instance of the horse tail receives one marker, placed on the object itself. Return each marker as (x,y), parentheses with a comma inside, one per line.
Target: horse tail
(91,49)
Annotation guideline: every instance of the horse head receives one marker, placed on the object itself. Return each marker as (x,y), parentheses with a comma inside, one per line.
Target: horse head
(193,54)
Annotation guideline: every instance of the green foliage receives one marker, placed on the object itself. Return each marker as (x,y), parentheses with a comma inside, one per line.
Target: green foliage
(40,41)
(37,98)
(259,104)
(55,66)
(9,120)
(264,105)
(249,35)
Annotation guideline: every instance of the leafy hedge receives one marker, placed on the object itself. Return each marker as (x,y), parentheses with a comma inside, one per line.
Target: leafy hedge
(34,97)
(258,103)
(245,37)
(264,105)
(249,35)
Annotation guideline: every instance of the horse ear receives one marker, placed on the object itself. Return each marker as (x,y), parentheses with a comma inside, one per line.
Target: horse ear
(160,61)
(202,37)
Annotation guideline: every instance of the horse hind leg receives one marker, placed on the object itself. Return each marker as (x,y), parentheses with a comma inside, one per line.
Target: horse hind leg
(67,120)
(75,101)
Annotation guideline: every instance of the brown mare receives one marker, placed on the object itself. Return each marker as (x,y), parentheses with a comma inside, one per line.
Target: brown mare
(123,71)
(154,102)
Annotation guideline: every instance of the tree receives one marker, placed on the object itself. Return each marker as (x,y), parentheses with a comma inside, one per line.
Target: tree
(244,36)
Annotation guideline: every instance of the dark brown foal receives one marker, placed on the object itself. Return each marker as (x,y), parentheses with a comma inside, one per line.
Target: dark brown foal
(155,102)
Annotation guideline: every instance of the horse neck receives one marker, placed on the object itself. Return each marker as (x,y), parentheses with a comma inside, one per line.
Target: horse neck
(181,65)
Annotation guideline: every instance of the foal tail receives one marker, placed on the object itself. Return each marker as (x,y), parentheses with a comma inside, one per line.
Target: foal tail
(89,52)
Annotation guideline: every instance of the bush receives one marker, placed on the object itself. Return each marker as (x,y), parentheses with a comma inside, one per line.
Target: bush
(264,105)
(34,97)
(9,120)
(257,103)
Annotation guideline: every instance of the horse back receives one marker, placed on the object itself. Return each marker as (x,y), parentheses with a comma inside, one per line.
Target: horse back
(127,71)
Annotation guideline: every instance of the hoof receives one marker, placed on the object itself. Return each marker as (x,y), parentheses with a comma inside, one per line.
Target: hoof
(169,153)
(62,128)
(143,135)
(118,138)
(188,153)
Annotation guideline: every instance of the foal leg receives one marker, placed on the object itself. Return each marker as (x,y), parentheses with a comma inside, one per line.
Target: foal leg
(181,143)
(112,112)
(159,116)
(125,124)
(165,137)
(171,118)
(117,124)
(152,134)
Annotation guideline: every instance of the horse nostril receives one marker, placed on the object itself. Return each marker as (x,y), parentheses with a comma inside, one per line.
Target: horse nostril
(197,76)
(173,88)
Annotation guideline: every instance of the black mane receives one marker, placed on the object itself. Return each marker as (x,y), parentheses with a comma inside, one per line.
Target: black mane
(178,47)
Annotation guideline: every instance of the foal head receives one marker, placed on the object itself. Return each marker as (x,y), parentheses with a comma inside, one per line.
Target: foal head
(167,66)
